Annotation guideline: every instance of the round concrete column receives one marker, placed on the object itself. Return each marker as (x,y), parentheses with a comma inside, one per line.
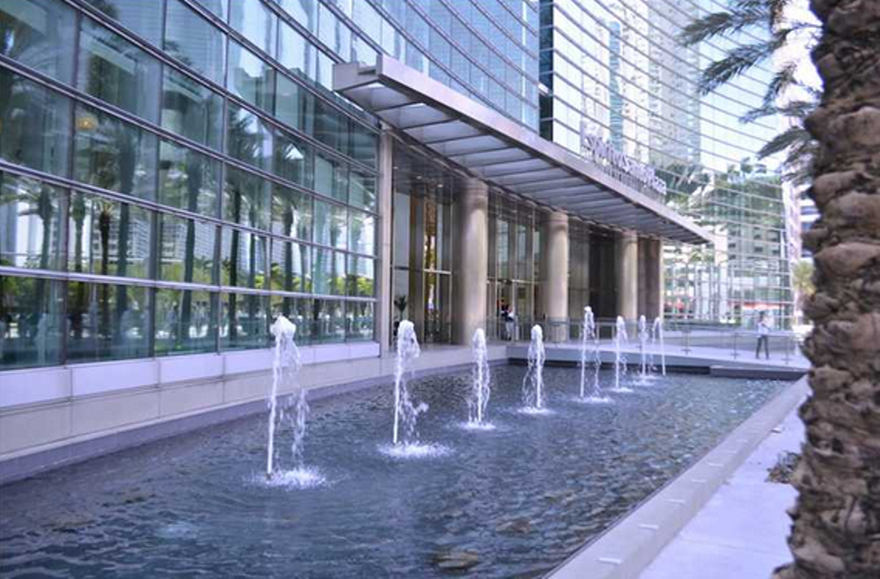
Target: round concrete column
(627,253)
(471,261)
(554,285)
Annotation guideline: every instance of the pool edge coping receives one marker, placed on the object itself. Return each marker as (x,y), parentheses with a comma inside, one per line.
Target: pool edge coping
(626,548)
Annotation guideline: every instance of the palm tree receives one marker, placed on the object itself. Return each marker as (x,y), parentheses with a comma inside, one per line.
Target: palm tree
(764,19)
(802,278)
(836,521)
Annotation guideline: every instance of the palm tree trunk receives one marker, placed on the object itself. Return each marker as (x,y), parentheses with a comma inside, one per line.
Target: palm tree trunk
(836,530)
(193,186)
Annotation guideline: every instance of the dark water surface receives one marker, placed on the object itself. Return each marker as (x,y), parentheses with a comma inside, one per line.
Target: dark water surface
(521,497)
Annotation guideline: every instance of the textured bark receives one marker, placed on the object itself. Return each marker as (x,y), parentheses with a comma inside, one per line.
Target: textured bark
(836,530)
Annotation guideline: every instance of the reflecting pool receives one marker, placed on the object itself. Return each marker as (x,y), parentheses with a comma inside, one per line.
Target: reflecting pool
(513,500)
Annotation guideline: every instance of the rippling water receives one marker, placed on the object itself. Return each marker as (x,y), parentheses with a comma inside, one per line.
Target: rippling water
(520,497)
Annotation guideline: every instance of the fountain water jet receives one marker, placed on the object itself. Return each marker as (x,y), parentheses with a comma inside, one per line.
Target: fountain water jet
(405,439)
(482,376)
(404,410)
(590,357)
(643,349)
(533,383)
(620,340)
(657,335)
(285,366)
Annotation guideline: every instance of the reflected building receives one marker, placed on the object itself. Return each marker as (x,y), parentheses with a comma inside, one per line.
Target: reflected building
(616,70)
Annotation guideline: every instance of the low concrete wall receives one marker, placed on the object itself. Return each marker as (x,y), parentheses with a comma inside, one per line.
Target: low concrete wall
(628,547)
(99,408)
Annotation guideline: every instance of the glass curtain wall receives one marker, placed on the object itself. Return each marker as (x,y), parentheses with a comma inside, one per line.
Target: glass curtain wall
(173,174)
(616,70)
(422,242)
(513,298)
(486,49)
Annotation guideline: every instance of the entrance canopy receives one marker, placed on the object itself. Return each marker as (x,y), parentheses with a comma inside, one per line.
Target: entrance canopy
(503,153)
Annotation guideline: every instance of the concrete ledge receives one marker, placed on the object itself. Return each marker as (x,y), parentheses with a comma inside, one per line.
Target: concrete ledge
(757,373)
(627,548)
(58,433)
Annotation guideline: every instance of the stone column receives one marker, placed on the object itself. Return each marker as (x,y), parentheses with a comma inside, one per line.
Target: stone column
(471,260)
(554,282)
(384,307)
(627,255)
(653,283)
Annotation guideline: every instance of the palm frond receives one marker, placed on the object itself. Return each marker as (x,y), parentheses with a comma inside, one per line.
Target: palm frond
(797,109)
(735,63)
(722,24)
(787,138)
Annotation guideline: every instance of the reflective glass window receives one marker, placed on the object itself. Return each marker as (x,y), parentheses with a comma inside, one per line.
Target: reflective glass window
(107,322)
(186,322)
(255,22)
(362,229)
(295,53)
(291,213)
(362,192)
(303,11)
(338,226)
(294,159)
(369,20)
(113,154)
(331,127)
(246,199)
(329,276)
(194,41)
(291,266)
(191,109)
(361,276)
(242,259)
(331,177)
(250,77)
(35,125)
(329,321)
(359,321)
(248,139)
(299,311)
(186,250)
(31,321)
(187,179)
(30,223)
(333,33)
(39,34)
(244,321)
(217,7)
(107,237)
(364,144)
(363,52)
(294,105)
(322,222)
(142,18)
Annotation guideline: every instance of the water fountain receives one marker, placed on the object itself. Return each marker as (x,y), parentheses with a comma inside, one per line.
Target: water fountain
(285,366)
(620,340)
(644,336)
(533,383)
(590,357)
(405,412)
(657,335)
(479,399)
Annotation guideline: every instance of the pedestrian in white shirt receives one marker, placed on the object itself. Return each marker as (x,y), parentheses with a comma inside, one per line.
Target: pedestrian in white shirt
(763,336)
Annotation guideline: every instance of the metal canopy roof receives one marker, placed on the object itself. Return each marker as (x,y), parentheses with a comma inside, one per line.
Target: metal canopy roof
(503,153)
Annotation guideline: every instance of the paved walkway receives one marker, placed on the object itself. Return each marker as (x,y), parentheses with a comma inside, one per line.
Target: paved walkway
(741,532)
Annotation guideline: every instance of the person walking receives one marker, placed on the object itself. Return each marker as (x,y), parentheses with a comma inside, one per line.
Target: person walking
(763,336)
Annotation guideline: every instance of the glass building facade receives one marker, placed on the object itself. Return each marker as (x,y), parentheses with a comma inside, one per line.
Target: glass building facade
(615,70)
(174,172)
